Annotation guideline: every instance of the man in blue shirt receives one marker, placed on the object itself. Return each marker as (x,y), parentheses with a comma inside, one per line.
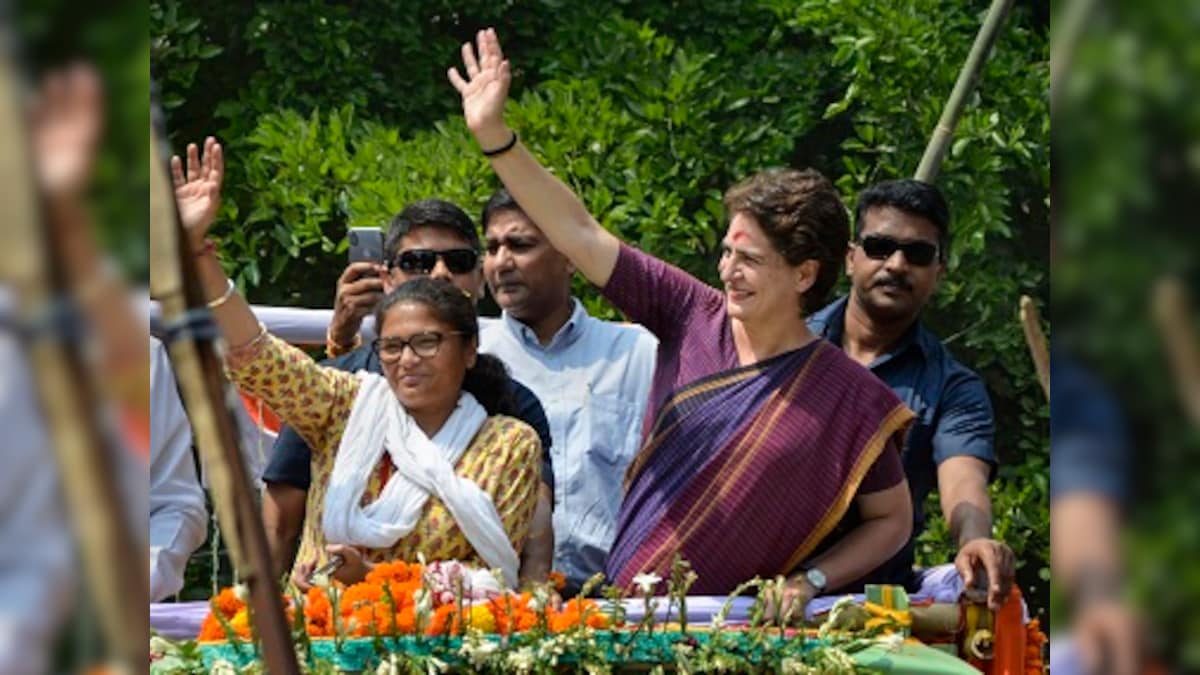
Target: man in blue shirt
(894,265)
(429,237)
(592,376)
(1089,487)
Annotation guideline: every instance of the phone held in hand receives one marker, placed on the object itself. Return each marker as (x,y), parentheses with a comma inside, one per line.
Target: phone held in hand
(366,244)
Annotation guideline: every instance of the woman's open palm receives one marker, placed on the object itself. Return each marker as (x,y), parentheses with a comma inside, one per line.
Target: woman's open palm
(198,192)
(486,85)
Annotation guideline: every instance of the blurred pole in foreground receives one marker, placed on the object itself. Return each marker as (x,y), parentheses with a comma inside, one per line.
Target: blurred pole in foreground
(1069,29)
(1173,313)
(191,338)
(51,326)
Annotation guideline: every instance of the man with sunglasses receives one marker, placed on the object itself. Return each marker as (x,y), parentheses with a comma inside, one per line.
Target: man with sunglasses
(431,237)
(894,266)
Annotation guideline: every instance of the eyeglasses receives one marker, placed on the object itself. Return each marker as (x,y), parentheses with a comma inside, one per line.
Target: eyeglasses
(879,247)
(423,260)
(424,345)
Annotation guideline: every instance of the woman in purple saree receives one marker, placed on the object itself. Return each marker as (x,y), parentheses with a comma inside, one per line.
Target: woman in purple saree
(738,475)
(760,436)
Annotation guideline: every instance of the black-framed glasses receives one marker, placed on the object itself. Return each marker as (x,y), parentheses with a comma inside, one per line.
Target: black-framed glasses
(880,247)
(423,260)
(424,345)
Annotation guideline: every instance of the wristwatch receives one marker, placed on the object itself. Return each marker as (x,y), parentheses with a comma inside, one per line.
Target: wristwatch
(817,578)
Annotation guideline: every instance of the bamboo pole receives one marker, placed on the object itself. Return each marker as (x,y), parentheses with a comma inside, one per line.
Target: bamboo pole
(1035,339)
(115,567)
(1173,314)
(209,401)
(939,142)
(1073,20)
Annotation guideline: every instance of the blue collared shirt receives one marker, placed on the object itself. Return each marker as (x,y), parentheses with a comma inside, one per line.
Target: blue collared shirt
(1089,440)
(593,379)
(953,413)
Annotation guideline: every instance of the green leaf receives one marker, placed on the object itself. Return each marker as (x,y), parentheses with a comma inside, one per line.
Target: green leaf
(208,51)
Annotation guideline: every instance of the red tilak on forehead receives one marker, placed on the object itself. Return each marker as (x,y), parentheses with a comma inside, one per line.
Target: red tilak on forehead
(739,234)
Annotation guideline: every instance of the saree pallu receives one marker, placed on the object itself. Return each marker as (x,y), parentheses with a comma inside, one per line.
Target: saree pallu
(746,471)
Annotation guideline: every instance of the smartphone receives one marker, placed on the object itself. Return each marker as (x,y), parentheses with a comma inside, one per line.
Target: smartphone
(327,569)
(366,244)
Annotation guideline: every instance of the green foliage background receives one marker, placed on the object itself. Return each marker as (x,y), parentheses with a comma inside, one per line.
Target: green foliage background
(1127,161)
(336,115)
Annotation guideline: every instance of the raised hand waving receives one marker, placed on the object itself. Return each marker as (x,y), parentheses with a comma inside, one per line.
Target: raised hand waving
(198,192)
(485,89)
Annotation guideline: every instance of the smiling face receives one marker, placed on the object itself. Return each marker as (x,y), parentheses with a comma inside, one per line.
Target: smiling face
(759,284)
(423,383)
(529,279)
(894,288)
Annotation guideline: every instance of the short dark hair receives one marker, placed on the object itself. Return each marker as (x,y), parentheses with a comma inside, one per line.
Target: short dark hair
(500,200)
(429,213)
(911,196)
(802,215)
(488,380)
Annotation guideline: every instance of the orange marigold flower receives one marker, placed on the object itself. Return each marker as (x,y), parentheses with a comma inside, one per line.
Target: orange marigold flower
(402,593)
(318,614)
(558,580)
(358,595)
(599,621)
(563,622)
(211,629)
(1034,639)
(406,621)
(228,603)
(394,572)
(445,621)
(316,604)
(512,613)
(579,606)
(364,621)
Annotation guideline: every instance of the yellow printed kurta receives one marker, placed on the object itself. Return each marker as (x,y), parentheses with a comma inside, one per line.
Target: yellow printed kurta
(504,458)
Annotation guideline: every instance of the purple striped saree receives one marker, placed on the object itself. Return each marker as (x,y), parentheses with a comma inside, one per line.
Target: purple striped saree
(747,470)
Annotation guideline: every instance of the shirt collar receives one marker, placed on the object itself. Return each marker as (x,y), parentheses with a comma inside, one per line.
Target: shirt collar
(565,337)
(830,323)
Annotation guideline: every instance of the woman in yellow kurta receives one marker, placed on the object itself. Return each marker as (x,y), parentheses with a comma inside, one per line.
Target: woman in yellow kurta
(433,474)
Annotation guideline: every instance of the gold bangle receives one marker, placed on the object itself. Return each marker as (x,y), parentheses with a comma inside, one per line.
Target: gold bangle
(229,291)
(334,349)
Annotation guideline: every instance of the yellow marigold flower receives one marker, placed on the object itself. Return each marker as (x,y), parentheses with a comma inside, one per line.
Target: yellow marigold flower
(240,623)
(482,619)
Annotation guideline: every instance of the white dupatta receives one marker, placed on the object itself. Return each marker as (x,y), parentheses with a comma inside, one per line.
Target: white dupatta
(424,467)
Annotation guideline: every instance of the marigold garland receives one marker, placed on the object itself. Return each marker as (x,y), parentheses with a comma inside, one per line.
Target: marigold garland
(364,610)
(1035,640)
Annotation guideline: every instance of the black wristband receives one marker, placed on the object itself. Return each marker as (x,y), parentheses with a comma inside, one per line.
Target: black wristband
(512,142)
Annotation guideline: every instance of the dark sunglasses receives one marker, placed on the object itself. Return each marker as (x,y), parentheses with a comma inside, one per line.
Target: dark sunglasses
(879,247)
(423,260)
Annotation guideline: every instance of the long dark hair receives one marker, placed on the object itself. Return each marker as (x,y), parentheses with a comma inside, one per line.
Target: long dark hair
(488,379)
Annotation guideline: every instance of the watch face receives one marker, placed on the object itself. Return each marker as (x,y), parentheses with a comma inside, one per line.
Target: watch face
(817,578)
